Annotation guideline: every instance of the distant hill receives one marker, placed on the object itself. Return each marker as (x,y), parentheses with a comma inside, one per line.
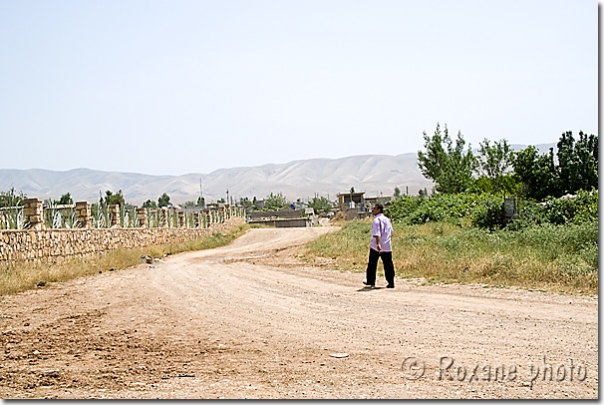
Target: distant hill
(373,174)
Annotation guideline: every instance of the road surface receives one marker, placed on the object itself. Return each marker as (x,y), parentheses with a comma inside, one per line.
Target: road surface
(249,320)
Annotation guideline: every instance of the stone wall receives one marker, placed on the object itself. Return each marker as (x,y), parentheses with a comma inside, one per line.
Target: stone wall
(284,222)
(54,245)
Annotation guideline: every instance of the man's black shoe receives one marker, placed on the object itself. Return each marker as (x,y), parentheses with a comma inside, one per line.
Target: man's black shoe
(390,286)
(368,285)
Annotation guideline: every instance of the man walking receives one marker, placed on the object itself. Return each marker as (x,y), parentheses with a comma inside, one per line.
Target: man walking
(380,246)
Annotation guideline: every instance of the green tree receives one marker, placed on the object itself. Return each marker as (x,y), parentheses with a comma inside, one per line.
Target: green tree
(495,161)
(65,199)
(111,198)
(448,164)
(576,167)
(149,204)
(537,172)
(397,192)
(320,204)
(164,201)
(201,201)
(275,201)
(245,202)
(578,162)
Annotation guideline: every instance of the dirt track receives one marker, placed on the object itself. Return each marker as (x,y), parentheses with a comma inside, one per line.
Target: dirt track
(249,321)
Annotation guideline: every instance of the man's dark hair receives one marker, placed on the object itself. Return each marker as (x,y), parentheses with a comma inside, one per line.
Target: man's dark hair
(380,207)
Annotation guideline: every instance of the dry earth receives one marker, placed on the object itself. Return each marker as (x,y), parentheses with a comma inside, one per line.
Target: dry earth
(250,321)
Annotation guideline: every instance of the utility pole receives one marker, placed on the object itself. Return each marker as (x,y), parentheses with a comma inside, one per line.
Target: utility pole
(227,200)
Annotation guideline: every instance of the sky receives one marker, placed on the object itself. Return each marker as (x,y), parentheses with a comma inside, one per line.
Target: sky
(175,86)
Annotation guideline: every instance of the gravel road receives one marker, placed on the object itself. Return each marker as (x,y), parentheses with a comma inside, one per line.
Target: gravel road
(249,320)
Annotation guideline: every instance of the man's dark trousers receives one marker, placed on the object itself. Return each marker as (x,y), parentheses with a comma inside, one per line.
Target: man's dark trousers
(374,255)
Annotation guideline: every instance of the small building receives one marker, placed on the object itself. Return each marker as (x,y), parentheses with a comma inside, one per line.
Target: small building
(351,200)
(371,201)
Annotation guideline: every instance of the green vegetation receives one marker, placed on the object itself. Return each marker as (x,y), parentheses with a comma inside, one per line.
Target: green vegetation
(164,201)
(550,257)
(320,204)
(111,198)
(274,202)
(65,199)
(22,277)
(11,198)
(449,166)
(461,233)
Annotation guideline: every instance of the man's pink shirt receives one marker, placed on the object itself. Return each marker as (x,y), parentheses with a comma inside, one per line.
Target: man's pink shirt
(381,227)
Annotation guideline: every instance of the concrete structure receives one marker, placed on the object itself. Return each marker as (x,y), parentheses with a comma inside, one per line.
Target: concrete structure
(344,200)
(32,212)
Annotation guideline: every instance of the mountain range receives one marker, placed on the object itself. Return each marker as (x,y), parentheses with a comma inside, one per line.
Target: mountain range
(303,179)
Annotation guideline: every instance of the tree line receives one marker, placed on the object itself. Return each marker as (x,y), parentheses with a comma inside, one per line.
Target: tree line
(498,168)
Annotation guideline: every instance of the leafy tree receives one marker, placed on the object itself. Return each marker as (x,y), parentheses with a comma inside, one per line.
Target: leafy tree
(495,162)
(245,202)
(11,198)
(164,201)
(351,190)
(578,162)
(189,204)
(111,198)
(397,192)
(576,167)
(537,173)
(65,199)
(275,201)
(449,165)
(149,204)
(201,201)
(320,204)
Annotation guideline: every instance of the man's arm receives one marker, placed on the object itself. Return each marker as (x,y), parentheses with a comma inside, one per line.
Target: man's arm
(377,241)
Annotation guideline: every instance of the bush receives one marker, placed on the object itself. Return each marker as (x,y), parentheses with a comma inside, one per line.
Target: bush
(489,215)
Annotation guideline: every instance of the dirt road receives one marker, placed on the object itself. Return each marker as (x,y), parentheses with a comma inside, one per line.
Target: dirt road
(250,321)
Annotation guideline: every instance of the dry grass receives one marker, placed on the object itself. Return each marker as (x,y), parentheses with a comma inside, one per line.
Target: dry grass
(549,258)
(22,277)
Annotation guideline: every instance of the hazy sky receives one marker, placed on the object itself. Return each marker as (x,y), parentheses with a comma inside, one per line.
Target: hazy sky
(176,87)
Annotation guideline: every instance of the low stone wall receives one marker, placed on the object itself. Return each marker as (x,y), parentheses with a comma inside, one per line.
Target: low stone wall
(54,245)
(276,214)
(284,223)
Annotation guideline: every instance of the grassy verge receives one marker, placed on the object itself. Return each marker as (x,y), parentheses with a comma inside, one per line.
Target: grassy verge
(561,258)
(22,277)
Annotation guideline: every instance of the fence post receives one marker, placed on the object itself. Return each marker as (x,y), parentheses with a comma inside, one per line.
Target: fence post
(32,213)
(141,215)
(181,219)
(114,215)
(163,217)
(196,219)
(82,214)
